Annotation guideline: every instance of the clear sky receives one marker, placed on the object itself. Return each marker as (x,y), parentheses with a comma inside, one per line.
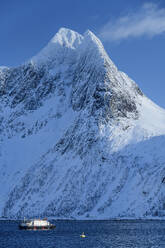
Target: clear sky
(132,32)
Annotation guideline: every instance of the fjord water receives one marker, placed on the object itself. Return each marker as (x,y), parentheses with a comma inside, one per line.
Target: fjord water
(99,234)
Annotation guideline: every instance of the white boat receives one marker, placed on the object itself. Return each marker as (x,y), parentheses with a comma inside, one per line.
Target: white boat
(36,224)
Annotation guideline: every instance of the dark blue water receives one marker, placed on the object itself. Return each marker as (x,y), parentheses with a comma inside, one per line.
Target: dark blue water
(99,234)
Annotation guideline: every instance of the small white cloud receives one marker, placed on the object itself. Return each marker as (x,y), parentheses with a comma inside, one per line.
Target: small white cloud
(148,21)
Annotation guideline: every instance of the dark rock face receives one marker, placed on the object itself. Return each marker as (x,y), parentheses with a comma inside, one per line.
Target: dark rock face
(121,106)
(26,85)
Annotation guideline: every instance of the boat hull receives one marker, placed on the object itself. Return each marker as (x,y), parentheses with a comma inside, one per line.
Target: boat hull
(37,227)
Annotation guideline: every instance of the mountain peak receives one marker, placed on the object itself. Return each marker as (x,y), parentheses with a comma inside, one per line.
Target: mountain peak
(67,37)
(89,35)
(91,40)
(62,40)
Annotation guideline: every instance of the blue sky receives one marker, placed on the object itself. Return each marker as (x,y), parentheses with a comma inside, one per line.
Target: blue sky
(132,32)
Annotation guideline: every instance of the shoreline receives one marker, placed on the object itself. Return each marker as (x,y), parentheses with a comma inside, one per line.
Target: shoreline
(92,219)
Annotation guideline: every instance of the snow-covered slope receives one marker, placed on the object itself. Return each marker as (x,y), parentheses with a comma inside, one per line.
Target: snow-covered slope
(78,137)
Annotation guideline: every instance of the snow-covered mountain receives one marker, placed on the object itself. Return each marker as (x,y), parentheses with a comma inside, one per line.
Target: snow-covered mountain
(78,137)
